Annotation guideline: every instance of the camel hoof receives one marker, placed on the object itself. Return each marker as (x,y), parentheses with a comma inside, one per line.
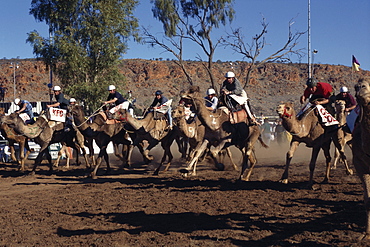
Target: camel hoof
(185,171)
(220,167)
(325,181)
(350,172)
(284,181)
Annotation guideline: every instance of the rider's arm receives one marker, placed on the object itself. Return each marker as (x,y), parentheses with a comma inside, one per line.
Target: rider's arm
(22,109)
(110,101)
(54,105)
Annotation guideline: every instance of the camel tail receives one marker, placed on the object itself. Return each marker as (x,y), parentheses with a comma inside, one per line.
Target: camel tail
(262,142)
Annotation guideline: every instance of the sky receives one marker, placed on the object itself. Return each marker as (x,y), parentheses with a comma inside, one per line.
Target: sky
(339,29)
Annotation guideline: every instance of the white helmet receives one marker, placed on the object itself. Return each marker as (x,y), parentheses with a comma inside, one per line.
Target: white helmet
(71,100)
(210,91)
(56,88)
(230,74)
(111,87)
(343,89)
(16,101)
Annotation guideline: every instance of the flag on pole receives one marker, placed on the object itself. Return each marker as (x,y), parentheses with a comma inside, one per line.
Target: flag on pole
(355,64)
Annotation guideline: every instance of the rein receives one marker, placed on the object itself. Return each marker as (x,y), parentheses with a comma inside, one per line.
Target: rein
(87,119)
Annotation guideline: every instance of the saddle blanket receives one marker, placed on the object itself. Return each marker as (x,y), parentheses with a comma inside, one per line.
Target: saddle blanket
(351,118)
(165,107)
(326,118)
(24,116)
(56,114)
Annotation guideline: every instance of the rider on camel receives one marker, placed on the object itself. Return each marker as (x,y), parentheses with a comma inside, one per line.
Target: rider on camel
(158,102)
(25,107)
(319,93)
(232,88)
(348,98)
(211,99)
(117,99)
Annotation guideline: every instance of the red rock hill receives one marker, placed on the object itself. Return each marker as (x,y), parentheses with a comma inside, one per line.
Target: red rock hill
(270,84)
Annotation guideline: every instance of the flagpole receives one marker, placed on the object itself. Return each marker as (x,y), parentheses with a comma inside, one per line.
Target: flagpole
(309,39)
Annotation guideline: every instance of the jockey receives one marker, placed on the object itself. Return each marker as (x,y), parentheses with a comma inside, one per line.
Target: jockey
(116,98)
(347,97)
(25,107)
(232,88)
(72,101)
(61,101)
(211,99)
(319,93)
(158,102)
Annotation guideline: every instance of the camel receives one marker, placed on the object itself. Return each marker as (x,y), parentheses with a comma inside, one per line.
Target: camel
(307,129)
(193,131)
(361,144)
(344,137)
(221,133)
(103,134)
(13,137)
(154,132)
(44,133)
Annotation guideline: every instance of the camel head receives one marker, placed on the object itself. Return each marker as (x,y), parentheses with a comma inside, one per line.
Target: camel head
(192,92)
(76,110)
(11,120)
(178,112)
(363,93)
(285,110)
(340,105)
(121,115)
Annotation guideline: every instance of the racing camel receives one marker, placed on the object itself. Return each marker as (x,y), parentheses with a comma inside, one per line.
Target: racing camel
(13,137)
(343,134)
(153,131)
(44,133)
(194,131)
(307,129)
(361,144)
(221,133)
(103,134)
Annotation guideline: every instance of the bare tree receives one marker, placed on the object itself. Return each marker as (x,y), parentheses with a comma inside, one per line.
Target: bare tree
(252,50)
(194,21)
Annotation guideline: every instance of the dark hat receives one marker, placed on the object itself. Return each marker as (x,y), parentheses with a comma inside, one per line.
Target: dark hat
(158,92)
(311,82)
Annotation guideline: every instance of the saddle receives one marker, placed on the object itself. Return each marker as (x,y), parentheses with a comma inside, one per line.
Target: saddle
(235,116)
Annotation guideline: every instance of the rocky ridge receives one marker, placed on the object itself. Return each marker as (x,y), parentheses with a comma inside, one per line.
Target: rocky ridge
(270,84)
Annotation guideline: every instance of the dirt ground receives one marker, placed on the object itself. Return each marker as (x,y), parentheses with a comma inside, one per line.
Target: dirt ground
(131,207)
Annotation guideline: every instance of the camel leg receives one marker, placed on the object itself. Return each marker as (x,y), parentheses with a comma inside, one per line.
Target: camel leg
(289,156)
(21,156)
(60,154)
(366,185)
(336,159)
(326,149)
(167,153)
(228,151)
(128,153)
(43,150)
(314,154)
(251,156)
(12,152)
(339,144)
(152,144)
(192,165)
(103,153)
